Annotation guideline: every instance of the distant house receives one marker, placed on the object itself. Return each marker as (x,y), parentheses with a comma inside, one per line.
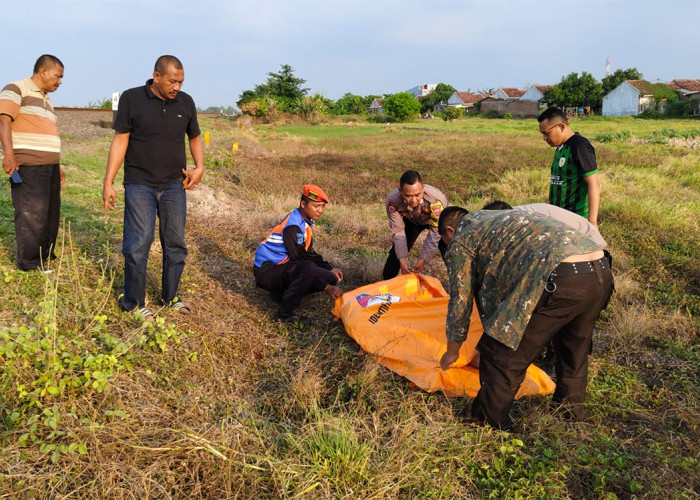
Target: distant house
(688,89)
(422,90)
(535,94)
(464,99)
(630,98)
(513,105)
(376,108)
(507,93)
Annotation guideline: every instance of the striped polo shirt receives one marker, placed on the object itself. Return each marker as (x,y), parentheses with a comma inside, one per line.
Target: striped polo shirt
(34,131)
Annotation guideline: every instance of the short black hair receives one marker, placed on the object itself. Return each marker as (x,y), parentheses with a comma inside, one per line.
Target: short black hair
(46,61)
(550,113)
(163,62)
(449,217)
(497,205)
(410,177)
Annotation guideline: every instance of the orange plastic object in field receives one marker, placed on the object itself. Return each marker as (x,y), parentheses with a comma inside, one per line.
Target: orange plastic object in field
(401,323)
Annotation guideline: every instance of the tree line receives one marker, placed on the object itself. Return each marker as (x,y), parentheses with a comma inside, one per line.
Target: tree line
(285,92)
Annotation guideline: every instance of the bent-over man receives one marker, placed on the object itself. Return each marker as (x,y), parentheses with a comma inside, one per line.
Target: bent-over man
(534,278)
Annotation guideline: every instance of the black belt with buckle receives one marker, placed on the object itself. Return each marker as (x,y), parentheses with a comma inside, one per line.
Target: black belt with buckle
(573,268)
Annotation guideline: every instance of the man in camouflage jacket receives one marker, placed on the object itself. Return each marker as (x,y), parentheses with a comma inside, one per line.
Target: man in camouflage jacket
(534,278)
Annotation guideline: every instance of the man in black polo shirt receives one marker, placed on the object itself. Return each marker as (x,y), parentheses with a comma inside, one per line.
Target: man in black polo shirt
(149,138)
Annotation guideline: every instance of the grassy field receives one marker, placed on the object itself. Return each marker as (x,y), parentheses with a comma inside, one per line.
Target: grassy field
(227,403)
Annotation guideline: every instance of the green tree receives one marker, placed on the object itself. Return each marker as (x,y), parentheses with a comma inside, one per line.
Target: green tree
(442,92)
(402,106)
(576,91)
(350,104)
(246,96)
(283,88)
(610,82)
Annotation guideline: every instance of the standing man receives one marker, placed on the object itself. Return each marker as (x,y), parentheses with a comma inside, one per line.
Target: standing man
(534,279)
(574,183)
(286,263)
(412,208)
(149,137)
(32,148)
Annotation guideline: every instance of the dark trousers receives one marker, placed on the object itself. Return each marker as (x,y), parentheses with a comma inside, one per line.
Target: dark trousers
(294,280)
(142,204)
(37,202)
(566,316)
(392,265)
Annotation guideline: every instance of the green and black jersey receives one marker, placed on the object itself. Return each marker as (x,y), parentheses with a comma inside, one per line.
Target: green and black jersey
(573,161)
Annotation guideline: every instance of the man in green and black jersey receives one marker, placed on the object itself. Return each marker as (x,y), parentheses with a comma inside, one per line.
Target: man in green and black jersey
(574,181)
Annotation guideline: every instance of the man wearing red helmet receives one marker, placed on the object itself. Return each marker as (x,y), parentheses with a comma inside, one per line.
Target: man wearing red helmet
(286,263)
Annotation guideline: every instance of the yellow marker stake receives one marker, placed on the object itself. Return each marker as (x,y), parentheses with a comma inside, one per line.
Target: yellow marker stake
(234,148)
(207,138)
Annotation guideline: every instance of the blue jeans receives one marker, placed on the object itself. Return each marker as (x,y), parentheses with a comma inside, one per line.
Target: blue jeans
(141,206)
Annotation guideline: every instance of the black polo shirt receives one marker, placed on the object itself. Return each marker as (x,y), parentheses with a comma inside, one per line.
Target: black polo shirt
(156,153)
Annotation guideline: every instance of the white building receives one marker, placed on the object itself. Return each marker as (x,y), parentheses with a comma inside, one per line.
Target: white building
(377,106)
(630,98)
(422,90)
(535,93)
(507,93)
(464,99)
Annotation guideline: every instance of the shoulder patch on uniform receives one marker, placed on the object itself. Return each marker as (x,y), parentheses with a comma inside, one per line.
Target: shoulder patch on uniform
(435,211)
(300,238)
(392,207)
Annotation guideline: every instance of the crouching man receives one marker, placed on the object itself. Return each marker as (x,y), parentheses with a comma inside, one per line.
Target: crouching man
(286,263)
(534,279)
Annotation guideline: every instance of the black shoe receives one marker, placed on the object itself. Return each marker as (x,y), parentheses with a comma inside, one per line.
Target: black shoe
(284,316)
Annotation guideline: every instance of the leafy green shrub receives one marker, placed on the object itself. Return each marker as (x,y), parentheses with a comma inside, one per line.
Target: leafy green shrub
(402,106)
(650,114)
(613,136)
(508,116)
(314,108)
(451,113)
(680,109)
(662,136)
(492,113)
(260,107)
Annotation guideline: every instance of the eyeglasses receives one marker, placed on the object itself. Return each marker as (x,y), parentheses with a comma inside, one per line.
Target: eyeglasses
(548,130)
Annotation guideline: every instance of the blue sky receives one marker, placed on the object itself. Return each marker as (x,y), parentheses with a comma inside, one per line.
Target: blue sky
(338,46)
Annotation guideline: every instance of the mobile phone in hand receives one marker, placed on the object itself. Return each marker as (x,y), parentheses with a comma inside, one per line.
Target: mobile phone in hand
(15,178)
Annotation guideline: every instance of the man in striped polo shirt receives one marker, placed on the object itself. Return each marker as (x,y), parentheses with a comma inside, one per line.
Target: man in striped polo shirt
(31,147)
(574,181)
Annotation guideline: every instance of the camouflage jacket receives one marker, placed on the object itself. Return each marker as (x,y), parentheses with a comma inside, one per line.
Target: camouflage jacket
(503,258)
(427,213)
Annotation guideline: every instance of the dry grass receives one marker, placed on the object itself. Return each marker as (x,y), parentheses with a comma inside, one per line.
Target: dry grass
(238,406)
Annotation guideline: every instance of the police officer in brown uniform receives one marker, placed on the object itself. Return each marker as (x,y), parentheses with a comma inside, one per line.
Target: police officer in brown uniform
(412,208)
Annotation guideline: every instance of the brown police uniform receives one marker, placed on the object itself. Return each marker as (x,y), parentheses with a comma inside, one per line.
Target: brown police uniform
(406,224)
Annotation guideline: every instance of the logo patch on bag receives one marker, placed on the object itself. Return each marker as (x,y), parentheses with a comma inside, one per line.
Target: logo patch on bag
(366,300)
